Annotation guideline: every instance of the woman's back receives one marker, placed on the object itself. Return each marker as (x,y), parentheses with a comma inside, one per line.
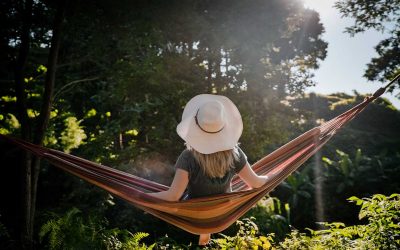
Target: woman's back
(200,183)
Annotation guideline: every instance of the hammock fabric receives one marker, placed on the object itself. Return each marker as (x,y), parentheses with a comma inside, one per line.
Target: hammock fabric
(206,214)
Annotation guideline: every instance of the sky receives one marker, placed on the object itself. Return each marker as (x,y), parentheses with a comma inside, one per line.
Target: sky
(343,68)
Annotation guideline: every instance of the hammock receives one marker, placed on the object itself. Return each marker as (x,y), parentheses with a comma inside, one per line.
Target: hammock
(205,214)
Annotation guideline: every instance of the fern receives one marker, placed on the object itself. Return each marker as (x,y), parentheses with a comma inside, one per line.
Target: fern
(3,231)
(134,242)
(52,229)
(246,238)
(137,237)
(73,231)
(58,227)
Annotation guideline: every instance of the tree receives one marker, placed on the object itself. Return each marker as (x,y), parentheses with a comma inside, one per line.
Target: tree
(24,26)
(381,15)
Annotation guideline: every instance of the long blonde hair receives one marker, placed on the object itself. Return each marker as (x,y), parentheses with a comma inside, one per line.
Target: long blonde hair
(216,165)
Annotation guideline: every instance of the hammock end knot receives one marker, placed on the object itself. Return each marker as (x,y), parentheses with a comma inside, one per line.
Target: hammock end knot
(379,92)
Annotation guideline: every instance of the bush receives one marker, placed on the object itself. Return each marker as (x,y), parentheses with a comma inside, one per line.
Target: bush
(246,238)
(5,239)
(271,217)
(74,231)
(382,230)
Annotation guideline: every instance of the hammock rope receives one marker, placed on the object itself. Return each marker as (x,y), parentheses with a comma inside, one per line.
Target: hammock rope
(205,214)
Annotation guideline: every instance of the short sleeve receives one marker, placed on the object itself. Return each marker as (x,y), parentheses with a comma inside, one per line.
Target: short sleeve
(241,161)
(183,161)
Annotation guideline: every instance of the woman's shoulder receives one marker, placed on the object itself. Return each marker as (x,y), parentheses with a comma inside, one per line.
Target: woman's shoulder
(240,159)
(186,154)
(186,157)
(239,152)
(186,161)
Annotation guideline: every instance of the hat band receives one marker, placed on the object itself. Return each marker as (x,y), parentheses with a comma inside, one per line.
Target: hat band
(210,132)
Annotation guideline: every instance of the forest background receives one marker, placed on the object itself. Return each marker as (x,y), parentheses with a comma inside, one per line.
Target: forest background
(108,80)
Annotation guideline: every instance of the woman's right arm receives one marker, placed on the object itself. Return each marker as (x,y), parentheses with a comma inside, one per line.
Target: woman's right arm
(178,186)
(251,178)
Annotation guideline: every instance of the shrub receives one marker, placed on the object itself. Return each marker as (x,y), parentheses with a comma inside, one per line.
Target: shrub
(271,217)
(246,238)
(5,239)
(382,230)
(74,231)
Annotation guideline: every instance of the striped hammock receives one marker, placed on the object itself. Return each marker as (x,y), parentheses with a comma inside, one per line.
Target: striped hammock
(206,214)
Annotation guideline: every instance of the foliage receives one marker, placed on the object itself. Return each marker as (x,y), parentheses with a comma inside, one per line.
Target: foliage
(271,217)
(374,130)
(5,238)
(246,238)
(3,231)
(380,232)
(168,243)
(73,135)
(154,68)
(380,15)
(128,241)
(367,161)
(344,171)
(358,174)
(299,188)
(74,231)
(297,193)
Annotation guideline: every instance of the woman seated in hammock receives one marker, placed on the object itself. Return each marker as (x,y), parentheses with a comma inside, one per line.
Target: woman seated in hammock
(211,127)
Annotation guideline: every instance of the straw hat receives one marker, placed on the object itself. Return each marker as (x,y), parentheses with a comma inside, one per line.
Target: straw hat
(210,123)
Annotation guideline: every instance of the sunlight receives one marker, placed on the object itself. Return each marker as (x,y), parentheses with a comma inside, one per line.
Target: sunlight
(319,206)
(325,6)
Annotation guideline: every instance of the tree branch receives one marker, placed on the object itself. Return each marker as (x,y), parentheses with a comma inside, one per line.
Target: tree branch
(72,83)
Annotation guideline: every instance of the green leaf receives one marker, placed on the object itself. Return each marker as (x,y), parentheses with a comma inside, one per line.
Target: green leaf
(327,160)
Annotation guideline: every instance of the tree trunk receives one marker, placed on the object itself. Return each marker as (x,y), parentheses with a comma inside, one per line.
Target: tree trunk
(44,116)
(19,72)
(51,74)
(20,64)
(30,165)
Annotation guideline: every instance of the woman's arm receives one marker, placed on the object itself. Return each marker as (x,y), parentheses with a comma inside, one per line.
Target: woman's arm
(251,178)
(177,188)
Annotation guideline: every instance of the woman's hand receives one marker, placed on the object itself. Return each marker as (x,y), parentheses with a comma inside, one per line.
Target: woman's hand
(251,178)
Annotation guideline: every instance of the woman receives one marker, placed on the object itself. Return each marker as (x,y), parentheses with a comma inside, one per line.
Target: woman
(211,127)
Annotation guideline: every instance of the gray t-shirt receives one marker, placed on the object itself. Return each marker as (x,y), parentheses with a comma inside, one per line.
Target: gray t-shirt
(199,183)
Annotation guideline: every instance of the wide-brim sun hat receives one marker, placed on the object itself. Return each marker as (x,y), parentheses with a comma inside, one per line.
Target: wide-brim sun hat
(210,123)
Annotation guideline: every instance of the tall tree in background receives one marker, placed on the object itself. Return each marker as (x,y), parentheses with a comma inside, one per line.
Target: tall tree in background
(384,16)
(25,23)
(255,52)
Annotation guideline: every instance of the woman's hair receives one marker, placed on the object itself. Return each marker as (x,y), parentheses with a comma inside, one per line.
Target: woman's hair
(216,165)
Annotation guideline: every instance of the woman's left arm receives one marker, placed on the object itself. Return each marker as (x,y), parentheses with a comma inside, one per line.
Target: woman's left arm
(178,186)
(251,178)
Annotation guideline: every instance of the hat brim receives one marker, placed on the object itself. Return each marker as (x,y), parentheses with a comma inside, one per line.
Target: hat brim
(208,143)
